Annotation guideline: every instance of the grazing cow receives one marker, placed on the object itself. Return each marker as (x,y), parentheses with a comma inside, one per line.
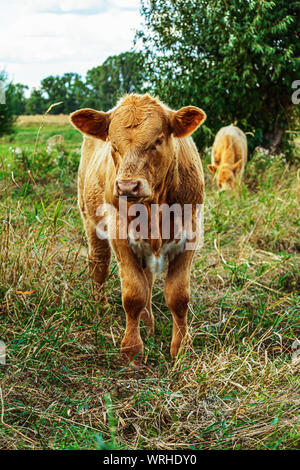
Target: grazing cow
(140,151)
(229,156)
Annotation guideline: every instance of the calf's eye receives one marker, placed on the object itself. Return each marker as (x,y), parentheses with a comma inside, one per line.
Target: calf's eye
(158,142)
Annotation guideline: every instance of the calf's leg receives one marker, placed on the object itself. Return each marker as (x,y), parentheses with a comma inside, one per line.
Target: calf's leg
(99,249)
(177,295)
(99,255)
(135,294)
(147,315)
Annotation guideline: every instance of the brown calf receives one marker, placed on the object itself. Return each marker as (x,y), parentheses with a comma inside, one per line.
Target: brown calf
(140,150)
(229,156)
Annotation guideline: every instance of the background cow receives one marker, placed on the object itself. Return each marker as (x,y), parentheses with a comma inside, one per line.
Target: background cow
(229,156)
(140,150)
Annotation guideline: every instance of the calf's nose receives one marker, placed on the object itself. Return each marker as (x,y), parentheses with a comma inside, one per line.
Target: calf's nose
(128,187)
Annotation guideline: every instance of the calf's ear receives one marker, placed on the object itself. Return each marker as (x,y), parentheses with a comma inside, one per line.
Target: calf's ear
(212,168)
(92,123)
(186,120)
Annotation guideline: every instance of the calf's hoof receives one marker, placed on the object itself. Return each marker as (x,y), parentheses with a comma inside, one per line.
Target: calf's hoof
(183,345)
(132,353)
(175,346)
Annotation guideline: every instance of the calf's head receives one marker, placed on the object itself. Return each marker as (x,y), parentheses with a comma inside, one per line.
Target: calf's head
(140,131)
(225,175)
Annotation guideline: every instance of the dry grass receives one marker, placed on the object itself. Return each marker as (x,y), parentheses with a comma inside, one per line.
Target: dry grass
(236,386)
(37,119)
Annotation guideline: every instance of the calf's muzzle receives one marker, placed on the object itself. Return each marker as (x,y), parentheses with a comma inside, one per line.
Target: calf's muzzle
(137,188)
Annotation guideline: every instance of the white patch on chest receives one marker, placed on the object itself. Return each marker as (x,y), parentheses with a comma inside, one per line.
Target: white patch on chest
(146,257)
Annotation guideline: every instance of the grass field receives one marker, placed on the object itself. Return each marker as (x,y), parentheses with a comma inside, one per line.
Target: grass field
(64,386)
(32,129)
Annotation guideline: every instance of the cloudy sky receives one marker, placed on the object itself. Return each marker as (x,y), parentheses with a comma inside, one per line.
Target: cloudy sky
(49,37)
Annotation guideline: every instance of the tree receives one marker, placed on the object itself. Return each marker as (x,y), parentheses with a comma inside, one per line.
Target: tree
(237,59)
(18,99)
(36,103)
(119,74)
(6,110)
(67,89)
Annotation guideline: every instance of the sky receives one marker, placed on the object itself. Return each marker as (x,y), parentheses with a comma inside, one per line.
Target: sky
(50,37)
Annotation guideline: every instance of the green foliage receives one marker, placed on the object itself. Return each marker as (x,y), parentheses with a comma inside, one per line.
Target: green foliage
(57,162)
(119,74)
(68,89)
(36,103)
(101,444)
(6,109)
(16,92)
(264,164)
(28,153)
(235,59)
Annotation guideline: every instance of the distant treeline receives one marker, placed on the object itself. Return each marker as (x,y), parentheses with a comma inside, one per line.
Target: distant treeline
(100,89)
(237,60)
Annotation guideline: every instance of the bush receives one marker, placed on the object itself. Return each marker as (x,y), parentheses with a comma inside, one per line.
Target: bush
(6,109)
(41,164)
(264,168)
(235,59)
